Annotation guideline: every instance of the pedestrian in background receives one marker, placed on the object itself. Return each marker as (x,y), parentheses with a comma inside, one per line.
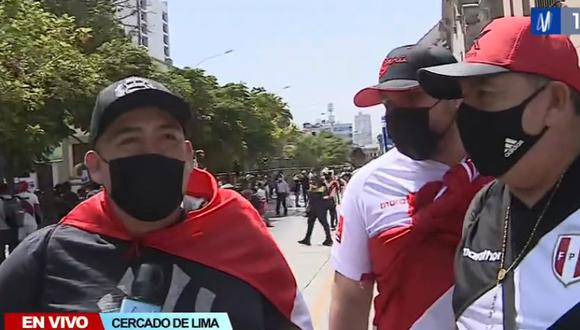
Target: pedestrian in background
(31,206)
(316,210)
(9,219)
(296,189)
(305,185)
(282,192)
(333,193)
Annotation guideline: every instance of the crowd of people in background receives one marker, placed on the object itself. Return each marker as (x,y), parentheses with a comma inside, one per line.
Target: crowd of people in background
(318,192)
(24,210)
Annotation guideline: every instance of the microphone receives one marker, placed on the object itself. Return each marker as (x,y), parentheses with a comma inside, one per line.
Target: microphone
(147,291)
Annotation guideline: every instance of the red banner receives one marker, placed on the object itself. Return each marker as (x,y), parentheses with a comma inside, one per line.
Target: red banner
(53,321)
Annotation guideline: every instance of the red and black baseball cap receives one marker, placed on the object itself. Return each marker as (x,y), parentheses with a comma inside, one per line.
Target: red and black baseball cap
(132,93)
(506,45)
(399,71)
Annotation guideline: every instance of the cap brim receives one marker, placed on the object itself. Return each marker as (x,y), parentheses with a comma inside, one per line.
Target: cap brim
(442,81)
(371,96)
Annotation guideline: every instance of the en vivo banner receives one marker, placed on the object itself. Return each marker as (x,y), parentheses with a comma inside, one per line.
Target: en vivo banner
(113,321)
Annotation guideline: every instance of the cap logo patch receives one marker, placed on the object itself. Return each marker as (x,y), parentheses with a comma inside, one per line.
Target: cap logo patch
(131,85)
(389,61)
(475,47)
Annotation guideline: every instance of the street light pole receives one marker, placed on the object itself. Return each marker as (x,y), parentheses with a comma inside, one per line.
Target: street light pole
(229,51)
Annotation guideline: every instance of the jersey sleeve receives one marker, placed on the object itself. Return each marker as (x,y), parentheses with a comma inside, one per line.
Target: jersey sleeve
(368,208)
(350,254)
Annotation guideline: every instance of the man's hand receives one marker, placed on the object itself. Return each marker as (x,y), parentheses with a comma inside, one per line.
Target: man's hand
(351,303)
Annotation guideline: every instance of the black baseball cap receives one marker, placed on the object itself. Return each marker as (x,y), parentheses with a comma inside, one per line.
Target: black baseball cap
(399,71)
(132,93)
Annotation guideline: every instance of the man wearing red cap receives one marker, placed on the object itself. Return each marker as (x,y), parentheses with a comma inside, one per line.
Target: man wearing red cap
(402,214)
(518,264)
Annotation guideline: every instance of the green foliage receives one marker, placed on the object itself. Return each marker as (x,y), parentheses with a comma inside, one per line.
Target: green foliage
(319,150)
(55,56)
(43,77)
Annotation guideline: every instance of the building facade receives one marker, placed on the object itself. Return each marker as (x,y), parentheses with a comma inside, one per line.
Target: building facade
(146,22)
(462,20)
(341,130)
(363,135)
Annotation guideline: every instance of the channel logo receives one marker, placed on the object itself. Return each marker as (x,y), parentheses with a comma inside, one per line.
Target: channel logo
(554,20)
(546,21)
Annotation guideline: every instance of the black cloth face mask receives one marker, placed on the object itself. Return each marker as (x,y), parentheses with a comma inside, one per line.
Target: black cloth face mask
(495,140)
(147,187)
(410,131)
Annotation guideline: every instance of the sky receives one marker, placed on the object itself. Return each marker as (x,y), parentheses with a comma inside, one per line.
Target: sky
(325,50)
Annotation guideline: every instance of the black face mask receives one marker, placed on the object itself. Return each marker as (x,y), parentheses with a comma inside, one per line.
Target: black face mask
(147,187)
(410,131)
(495,140)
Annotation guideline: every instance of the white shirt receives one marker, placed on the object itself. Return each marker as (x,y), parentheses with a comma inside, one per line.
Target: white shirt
(261,193)
(282,187)
(375,200)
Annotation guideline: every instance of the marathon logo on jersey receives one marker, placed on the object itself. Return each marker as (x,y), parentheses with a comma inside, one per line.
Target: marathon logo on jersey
(485,255)
(339,229)
(393,203)
(565,264)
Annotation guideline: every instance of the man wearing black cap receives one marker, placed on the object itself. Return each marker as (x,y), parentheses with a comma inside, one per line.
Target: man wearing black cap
(518,264)
(90,260)
(402,214)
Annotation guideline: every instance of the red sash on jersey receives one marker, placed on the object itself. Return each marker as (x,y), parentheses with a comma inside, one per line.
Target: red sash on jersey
(413,265)
(227,234)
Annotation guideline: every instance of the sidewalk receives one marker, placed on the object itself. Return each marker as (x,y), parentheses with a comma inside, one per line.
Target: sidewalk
(310,264)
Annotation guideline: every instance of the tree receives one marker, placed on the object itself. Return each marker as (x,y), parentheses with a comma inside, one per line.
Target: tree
(99,15)
(44,77)
(64,52)
(319,150)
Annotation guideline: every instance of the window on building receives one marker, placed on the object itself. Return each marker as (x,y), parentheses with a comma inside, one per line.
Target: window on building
(144,41)
(166,50)
(143,16)
(164,16)
(544,3)
(144,28)
(165,28)
(166,39)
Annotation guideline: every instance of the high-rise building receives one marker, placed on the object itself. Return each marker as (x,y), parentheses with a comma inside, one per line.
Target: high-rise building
(363,135)
(146,23)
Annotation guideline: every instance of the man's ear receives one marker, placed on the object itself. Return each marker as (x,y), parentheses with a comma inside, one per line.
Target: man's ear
(95,166)
(188,156)
(559,99)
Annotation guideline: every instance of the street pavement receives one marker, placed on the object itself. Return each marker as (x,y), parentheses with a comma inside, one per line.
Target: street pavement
(310,264)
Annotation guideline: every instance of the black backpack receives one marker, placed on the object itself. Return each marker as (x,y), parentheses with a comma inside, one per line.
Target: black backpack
(13,212)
